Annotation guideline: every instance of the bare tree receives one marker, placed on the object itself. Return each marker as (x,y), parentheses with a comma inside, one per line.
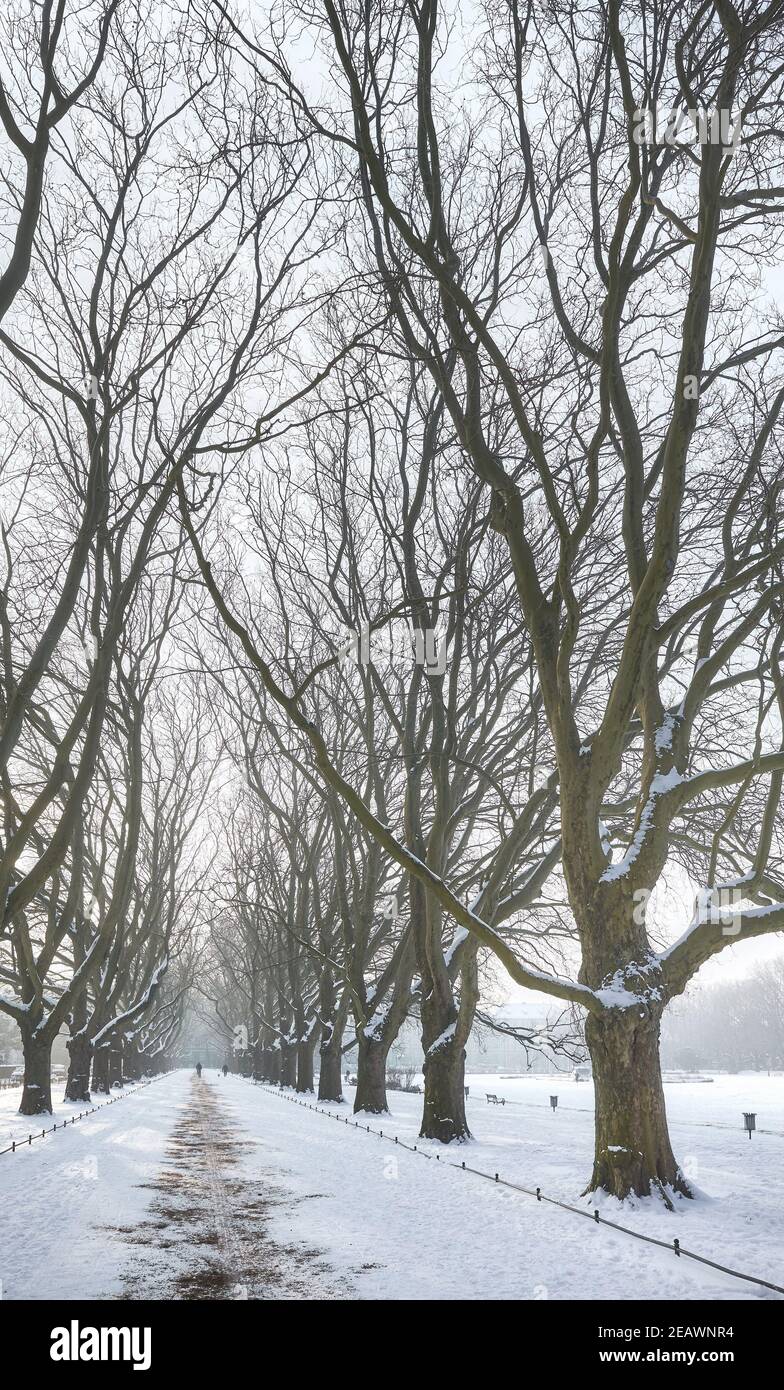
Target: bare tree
(581,276)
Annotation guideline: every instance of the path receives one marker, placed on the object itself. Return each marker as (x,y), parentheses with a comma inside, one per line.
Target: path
(206,1233)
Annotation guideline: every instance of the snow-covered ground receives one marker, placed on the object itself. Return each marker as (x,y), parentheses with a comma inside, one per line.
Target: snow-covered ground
(63,1198)
(433,1231)
(375,1221)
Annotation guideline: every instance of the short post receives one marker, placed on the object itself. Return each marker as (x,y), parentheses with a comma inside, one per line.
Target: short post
(750,1121)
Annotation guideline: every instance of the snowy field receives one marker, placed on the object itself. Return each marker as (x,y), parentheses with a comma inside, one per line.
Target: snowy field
(368,1219)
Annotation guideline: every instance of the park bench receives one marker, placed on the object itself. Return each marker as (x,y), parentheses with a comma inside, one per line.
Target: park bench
(496,1100)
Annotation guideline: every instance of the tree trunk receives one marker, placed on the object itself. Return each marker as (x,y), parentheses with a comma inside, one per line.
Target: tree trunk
(101,1070)
(131,1062)
(633,1155)
(330,1075)
(288,1065)
(444,1116)
(80,1052)
(305,1050)
(270,1065)
(37,1090)
(371,1095)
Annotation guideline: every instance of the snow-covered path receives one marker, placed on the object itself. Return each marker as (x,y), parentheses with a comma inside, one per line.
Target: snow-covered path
(144,1199)
(221,1189)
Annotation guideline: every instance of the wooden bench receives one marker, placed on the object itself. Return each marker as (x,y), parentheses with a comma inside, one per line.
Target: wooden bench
(496,1100)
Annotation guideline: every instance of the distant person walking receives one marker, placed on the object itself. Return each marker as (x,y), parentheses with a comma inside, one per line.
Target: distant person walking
(225,1069)
(198,1068)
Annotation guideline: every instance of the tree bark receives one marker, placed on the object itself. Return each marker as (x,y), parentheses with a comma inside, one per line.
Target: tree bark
(330,1075)
(80,1052)
(288,1065)
(371,1095)
(271,1065)
(305,1051)
(131,1062)
(444,1116)
(101,1070)
(37,1089)
(633,1155)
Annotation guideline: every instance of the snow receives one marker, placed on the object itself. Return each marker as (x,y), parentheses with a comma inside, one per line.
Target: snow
(443,1038)
(374,1027)
(62,1197)
(429,1230)
(663,739)
(662,783)
(393,1224)
(460,935)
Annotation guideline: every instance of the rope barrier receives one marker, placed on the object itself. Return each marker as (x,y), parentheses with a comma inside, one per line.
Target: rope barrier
(673,1247)
(26,1143)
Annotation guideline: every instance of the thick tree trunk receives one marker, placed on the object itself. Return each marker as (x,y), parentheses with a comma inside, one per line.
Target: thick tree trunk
(330,1076)
(101,1070)
(80,1053)
(270,1065)
(444,1116)
(305,1051)
(633,1155)
(371,1095)
(37,1089)
(288,1065)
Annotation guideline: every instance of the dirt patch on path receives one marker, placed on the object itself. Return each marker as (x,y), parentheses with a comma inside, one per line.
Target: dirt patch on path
(206,1234)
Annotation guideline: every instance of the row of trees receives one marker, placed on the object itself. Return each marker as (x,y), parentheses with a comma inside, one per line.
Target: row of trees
(562,348)
(102,748)
(417,343)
